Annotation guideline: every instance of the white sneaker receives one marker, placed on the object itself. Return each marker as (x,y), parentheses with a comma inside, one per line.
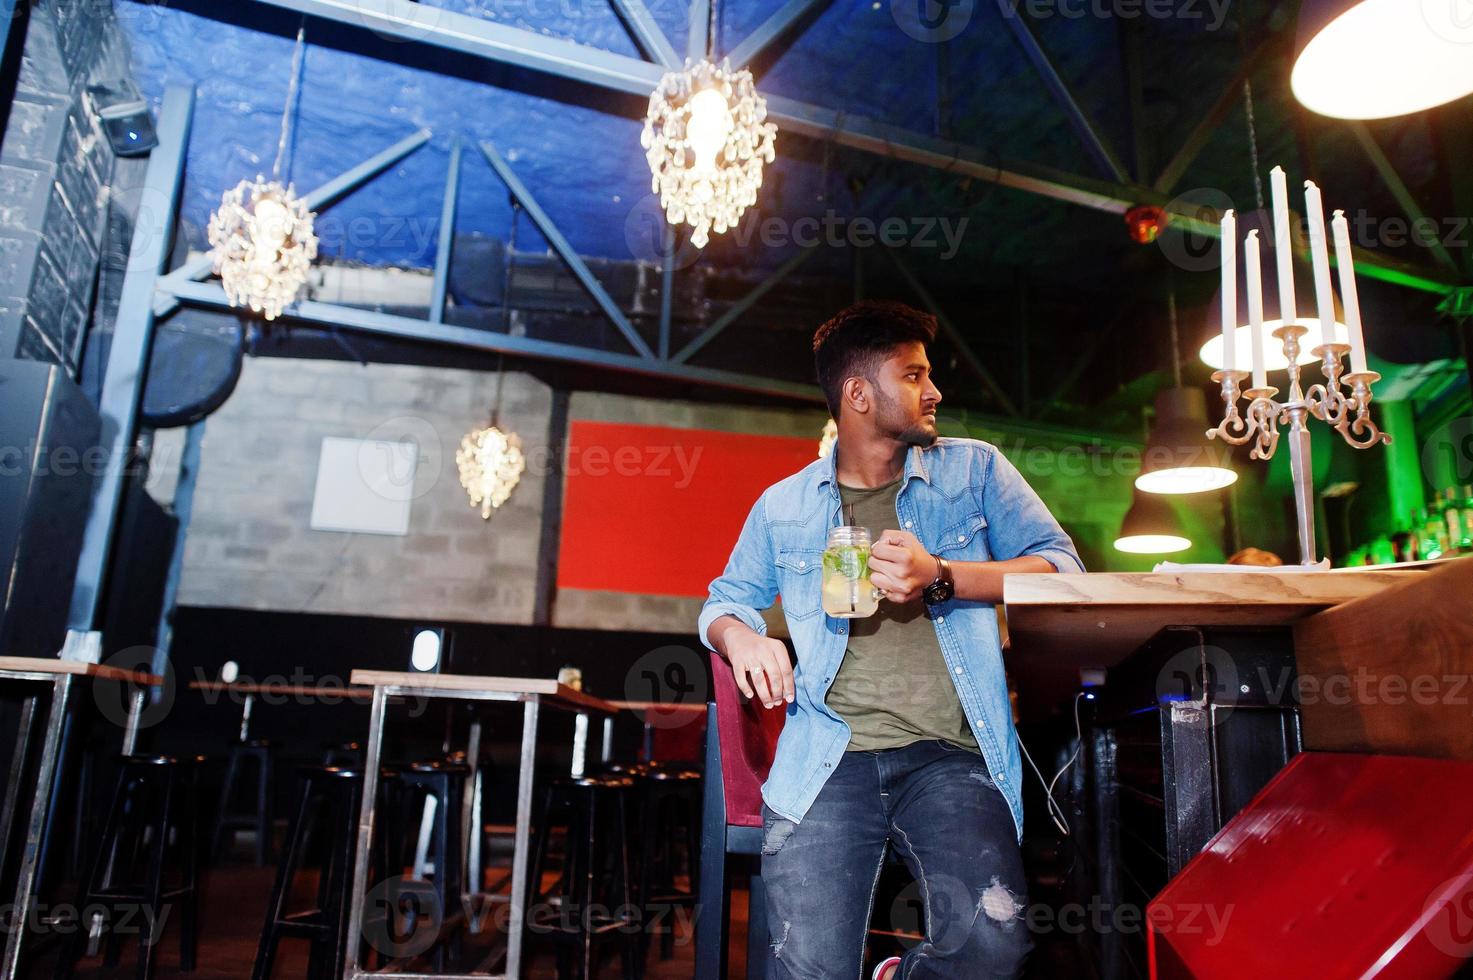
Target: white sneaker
(883,965)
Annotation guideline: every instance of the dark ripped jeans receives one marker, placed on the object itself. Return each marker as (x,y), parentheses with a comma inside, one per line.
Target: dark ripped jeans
(937,805)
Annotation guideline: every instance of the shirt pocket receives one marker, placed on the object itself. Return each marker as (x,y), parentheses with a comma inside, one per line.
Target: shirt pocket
(799,575)
(965,539)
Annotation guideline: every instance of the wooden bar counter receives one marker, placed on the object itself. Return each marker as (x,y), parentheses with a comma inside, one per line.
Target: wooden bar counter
(1212,682)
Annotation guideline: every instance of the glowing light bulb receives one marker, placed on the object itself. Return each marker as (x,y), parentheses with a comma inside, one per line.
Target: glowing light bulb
(710,125)
(271,221)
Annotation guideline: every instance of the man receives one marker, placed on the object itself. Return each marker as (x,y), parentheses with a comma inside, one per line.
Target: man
(898,725)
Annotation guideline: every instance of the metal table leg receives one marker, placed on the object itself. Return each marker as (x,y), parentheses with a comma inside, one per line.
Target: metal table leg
(580,745)
(135,720)
(516,921)
(470,828)
(40,806)
(607,751)
(362,850)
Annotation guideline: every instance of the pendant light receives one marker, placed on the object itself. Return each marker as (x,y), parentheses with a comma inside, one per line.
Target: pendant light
(1179,457)
(490,460)
(1373,59)
(1151,527)
(706,138)
(261,237)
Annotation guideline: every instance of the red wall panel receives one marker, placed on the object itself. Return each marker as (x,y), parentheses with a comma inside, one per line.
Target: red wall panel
(655,510)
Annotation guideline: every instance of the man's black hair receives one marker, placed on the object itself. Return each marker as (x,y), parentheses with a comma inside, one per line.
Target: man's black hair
(858,339)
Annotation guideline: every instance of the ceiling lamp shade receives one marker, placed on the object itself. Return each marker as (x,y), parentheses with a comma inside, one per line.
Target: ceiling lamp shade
(1372,59)
(262,244)
(1151,528)
(706,138)
(1305,309)
(1179,458)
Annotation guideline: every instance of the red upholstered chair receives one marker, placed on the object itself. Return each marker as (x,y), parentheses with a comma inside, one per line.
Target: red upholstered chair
(741,739)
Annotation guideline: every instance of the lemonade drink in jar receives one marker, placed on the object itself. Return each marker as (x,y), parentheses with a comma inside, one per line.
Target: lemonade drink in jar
(847,592)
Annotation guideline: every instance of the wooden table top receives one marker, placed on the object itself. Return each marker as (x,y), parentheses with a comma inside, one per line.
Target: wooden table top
(543,688)
(77,668)
(1060,623)
(289,690)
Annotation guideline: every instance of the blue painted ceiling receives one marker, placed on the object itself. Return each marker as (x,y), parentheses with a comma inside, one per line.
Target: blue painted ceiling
(578,151)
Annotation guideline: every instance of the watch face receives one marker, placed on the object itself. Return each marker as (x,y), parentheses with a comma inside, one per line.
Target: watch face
(939,592)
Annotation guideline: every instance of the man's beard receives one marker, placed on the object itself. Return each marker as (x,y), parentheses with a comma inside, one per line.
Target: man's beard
(919,433)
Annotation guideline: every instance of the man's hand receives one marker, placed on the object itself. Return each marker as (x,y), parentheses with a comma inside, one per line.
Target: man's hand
(759,663)
(901,565)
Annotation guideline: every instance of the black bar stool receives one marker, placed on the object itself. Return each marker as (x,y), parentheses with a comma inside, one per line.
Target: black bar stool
(156,794)
(438,857)
(257,752)
(328,809)
(668,802)
(596,872)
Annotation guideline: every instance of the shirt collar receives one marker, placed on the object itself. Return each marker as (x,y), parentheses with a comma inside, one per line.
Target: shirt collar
(915,466)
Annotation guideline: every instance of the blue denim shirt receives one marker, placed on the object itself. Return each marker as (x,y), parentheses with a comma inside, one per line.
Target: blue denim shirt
(965,502)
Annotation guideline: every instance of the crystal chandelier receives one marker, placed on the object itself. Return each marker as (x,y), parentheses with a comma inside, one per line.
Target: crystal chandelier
(261,237)
(491,465)
(706,138)
(263,245)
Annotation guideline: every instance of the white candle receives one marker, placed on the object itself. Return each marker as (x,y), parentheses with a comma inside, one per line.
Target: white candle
(1229,234)
(1319,251)
(1348,296)
(1284,247)
(1255,306)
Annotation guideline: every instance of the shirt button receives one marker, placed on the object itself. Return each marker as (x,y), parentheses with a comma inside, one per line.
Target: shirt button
(981,723)
(961,537)
(958,670)
(907,523)
(802,564)
(940,620)
(841,629)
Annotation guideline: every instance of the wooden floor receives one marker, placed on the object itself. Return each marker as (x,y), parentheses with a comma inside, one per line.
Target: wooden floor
(234,905)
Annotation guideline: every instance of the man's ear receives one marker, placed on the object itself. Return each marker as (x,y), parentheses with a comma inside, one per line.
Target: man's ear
(856,394)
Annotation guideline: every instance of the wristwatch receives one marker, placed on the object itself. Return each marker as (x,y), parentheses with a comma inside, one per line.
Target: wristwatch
(943,587)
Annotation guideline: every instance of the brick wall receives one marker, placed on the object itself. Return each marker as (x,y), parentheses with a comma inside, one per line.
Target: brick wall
(249,544)
(55,166)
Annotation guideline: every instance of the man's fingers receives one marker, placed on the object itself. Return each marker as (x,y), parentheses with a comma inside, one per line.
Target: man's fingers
(740,674)
(760,684)
(884,551)
(785,673)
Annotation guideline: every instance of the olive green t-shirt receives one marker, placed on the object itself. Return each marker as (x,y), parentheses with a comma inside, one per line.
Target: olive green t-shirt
(893,687)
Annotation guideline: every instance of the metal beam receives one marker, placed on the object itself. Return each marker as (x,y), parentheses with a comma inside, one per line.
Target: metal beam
(1209,122)
(953,334)
(1093,142)
(647,33)
(329,192)
(565,251)
(667,290)
(447,234)
(183,507)
(405,21)
(744,304)
(211,296)
(773,30)
(1403,195)
(127,362)
(699,21)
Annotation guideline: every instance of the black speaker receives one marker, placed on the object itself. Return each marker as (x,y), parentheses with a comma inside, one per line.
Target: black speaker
(49,459)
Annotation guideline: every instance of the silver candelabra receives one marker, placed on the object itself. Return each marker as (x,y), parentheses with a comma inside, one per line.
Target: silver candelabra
(1348,415)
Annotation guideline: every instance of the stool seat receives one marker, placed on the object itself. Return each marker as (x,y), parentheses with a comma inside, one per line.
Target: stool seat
(438,766)
(595,782)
